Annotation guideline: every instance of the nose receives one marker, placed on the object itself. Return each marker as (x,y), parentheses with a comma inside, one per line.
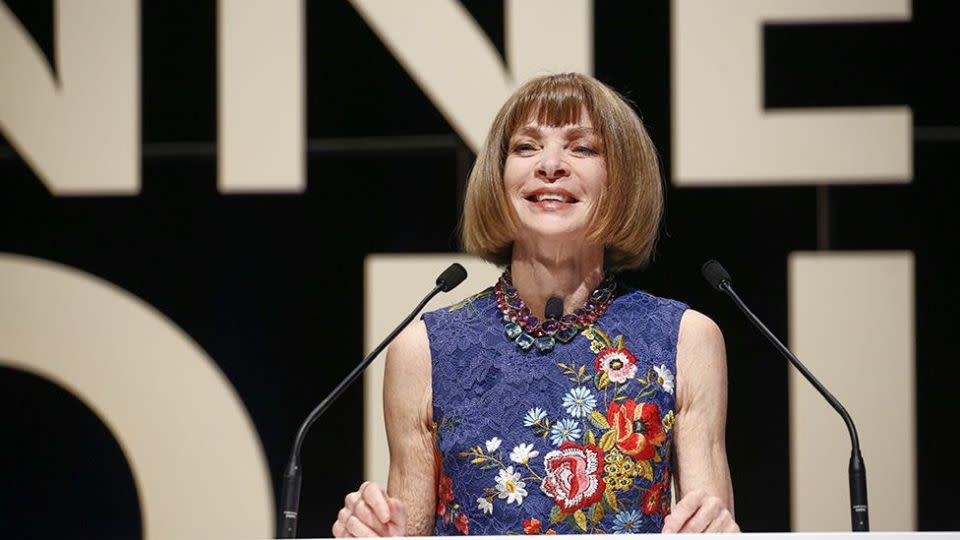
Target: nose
(552,165)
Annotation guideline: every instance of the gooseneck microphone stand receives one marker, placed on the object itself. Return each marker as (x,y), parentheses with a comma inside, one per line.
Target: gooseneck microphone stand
(718,277)
(293,474)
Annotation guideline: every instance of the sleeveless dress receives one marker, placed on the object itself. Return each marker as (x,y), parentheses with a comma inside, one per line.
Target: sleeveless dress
(574,440)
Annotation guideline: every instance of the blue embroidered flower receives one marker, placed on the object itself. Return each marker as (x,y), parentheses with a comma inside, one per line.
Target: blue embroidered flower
(565,430)
(627,521)
(579,402)
(534,417)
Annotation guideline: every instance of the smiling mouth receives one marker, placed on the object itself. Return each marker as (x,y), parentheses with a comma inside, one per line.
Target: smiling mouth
(558,197)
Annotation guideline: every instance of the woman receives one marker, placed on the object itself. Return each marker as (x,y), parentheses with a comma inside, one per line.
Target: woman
(502,419)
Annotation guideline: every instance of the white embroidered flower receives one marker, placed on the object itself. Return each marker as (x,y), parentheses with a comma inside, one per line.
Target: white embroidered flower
(510,487)
(493,444)
(665,378)
(565,430)
(523,453)
(534,416)
(485,505)
(579,402)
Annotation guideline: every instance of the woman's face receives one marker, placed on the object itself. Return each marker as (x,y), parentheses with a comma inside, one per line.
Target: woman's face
(553,177)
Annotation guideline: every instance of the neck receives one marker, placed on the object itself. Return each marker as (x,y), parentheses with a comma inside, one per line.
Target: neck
(571,278)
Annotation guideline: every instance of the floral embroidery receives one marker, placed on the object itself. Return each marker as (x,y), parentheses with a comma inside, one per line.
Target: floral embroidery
(448,510)
(565,430)
(510,487)
(637,428)
(627,522)
(610,435)
(573,476)
(523,453)
(665,378)
(579,402)
(618,365)
(585,444)
(531,526)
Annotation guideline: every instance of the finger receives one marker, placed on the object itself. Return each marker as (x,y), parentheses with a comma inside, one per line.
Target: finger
(724,523)
(359,529)
(681,512)
(339,531)
(376,499)
(398,524)
(705,515)
(351,499)
(366,516)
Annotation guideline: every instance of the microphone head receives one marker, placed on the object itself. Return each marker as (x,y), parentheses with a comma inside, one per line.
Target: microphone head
(554,308)
(451,277)
(715,274)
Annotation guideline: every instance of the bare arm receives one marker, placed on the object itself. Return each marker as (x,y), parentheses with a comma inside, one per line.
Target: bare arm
(704,488)
(408,414)
(407,506)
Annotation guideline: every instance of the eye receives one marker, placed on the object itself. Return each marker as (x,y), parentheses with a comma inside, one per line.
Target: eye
(523,148)
(586,150)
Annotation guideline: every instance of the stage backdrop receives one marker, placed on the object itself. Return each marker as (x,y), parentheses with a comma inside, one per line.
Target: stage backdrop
(210,211)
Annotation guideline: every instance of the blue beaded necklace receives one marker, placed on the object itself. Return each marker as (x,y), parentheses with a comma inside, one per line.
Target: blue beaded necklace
(526,330)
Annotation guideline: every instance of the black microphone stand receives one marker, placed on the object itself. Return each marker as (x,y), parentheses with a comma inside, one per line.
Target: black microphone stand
(857,472)
(293,474)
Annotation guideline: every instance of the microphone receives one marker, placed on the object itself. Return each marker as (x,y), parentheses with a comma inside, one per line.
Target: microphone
(554,308)
(293,474)
(719,279)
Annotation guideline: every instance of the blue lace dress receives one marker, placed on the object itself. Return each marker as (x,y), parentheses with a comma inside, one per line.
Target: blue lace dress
(574,440)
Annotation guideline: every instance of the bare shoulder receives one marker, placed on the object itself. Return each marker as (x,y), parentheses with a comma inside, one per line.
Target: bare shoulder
(407,381)
(701,359)
(700,338)
(408,356)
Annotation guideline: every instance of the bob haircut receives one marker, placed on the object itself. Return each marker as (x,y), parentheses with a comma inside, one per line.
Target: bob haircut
(627,217)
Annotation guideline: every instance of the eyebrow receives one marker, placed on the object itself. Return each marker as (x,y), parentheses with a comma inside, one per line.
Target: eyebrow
(572,133)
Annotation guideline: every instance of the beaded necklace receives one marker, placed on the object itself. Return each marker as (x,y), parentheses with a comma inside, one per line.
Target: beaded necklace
(526,330)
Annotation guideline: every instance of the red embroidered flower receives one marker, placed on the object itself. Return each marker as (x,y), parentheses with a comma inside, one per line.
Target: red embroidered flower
(651,500)
(637,426)
(573,476)
(531,526)
(665,507)
(444,490)
(620,364)
(462,524)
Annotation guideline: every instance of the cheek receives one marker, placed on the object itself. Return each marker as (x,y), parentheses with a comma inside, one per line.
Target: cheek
(512,174)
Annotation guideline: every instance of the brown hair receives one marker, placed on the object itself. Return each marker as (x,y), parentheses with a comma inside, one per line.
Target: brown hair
(627,217)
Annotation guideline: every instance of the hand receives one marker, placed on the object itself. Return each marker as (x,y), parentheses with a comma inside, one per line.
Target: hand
(370,512)
(700,512)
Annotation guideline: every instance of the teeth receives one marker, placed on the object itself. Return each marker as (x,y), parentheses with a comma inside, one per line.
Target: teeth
(550,197)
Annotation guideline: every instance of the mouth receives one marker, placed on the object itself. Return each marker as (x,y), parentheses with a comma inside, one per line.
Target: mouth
(551,196)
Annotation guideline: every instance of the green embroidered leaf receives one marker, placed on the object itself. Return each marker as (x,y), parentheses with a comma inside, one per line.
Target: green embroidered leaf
(611,499)
(478,460)
(591,440)
(557,515)
(608,440)
(602,380)
(644,469)
(599,420)
(596,514)
(619,344)
(581,520)
(580,373)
